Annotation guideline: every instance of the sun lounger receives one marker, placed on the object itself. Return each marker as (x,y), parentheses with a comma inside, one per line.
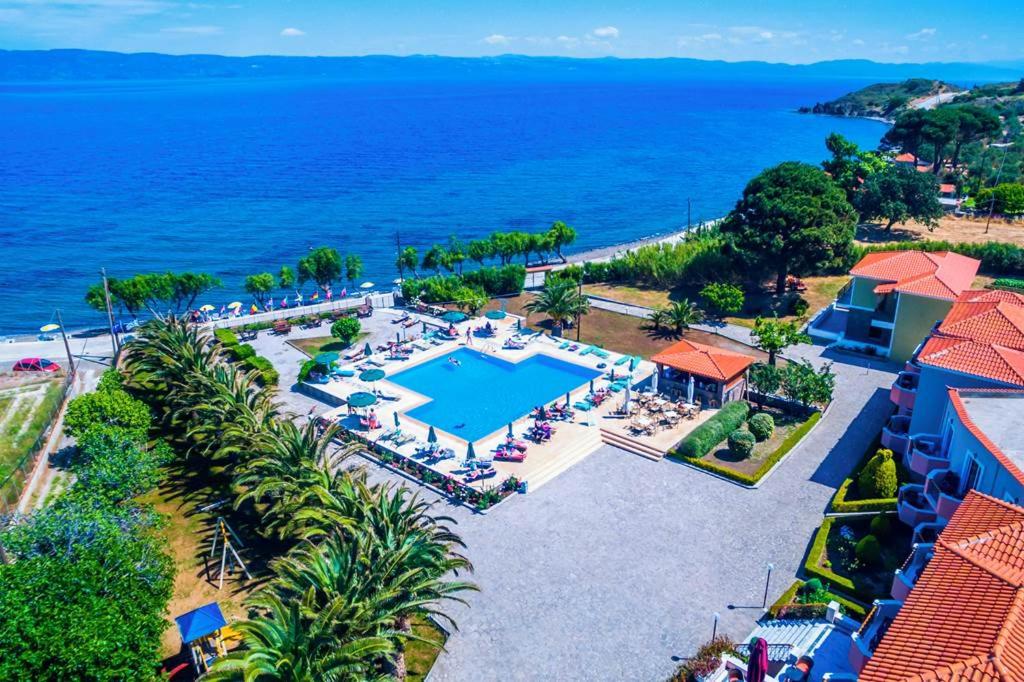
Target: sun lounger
(621,361)
(505,455)
(479,475)
(409,323)
(600,352)
(582,405)
(587,351)
(563,345)
(399,320)
(402,439)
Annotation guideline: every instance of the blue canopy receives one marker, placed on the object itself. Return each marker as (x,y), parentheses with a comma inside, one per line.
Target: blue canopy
(199,623)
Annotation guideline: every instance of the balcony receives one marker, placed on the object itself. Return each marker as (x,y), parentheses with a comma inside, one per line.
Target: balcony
(904,391)
(866,640)
(906,576)
(926,455)
(928,533)
(913,507)
(942,490)
(895,436)
(845,296)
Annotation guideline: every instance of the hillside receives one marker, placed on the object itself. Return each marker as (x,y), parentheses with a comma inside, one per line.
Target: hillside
(887,100)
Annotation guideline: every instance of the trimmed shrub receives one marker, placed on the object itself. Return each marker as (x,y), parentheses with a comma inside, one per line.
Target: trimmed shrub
(869,550)
(741,442)
(305,369)
(106,408)
(243,351)
(269,375)
(878,478)
(799,306)
(762,426)
(346,329)
(1009,283)
(811,586)
(881,526)
(714,430)
(226,337)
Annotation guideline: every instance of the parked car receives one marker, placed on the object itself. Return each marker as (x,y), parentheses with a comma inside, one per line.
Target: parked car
(36,365)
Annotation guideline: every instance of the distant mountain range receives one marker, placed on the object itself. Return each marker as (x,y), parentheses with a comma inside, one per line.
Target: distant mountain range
(84,65)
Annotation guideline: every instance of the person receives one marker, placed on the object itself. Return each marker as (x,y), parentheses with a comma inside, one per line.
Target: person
(454,360)
(469,337)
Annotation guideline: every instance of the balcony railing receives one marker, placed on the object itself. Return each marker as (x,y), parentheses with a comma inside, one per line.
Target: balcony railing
(866,640)
(928,533)
(913,507)
(906,576)
(926,455)
(904,391)
(895,435)
(942,489)
(845,295)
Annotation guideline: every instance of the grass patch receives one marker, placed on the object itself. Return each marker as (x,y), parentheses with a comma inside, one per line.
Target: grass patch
(420,656)
(315,345)
(832,559)
(821,291)
(851,608)
(25,421)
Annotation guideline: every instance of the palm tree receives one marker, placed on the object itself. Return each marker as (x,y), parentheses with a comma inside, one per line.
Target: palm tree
(682,314)
(292,644)
(658,317)
(561,302)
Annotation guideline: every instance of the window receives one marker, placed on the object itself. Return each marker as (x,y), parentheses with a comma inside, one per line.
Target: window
(972,473)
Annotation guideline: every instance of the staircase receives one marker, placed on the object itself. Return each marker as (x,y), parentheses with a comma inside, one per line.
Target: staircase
(632,445)
(582,445)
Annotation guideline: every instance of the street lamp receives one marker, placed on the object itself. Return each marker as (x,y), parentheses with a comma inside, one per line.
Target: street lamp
(714,627)
(992,203)
(767,582)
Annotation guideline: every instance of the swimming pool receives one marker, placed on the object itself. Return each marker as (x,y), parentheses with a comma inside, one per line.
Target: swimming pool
(483,393)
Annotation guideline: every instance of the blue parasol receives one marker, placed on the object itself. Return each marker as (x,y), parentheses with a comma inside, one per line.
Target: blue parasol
(510,429)
(362,399)
(453,316)
(397,423)
(495,314)
(431,435)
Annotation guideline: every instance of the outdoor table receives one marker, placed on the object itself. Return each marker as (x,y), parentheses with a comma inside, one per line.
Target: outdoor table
(672,414)
(643,421)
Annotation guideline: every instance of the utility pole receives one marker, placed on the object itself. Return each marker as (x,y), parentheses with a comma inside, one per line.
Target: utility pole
(110,312)
(67,346)
(398,254)
(687,214)
(992,203)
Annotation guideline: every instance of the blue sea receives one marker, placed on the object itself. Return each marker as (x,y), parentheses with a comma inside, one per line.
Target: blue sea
(240,176)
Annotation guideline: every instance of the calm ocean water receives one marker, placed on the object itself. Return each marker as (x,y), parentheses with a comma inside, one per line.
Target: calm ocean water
(238,177)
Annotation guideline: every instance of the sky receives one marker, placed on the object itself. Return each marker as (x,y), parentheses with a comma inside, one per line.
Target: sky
(793,31)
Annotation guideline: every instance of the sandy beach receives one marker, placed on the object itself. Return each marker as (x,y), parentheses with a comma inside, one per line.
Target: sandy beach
(605,253)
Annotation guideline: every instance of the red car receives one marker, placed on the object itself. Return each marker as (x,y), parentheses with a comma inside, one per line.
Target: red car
(36,365)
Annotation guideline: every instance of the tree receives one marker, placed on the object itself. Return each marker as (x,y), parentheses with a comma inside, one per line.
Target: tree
(772,335)
(260,286)
(108,408)
(560,235)
(456,253)
(682,314)
(765,379)
(286,278)
(900,193)
(1009,198)
(346,330)
(975,124)
(658,317)
(115,464)
(560,302)
(480,250)
(791,218)
(850,165)
(353,268)
(722,298)
(507,245)
(906,132)
(322,266)
(878,477)
(436,258)
(470,299)
(806,385)
(939,130)
(408,259)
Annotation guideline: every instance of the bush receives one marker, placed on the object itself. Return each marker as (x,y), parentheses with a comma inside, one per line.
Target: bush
(268,374)
(1008,283)
(721,298)
(111,408)
(707,659)
(488,281)
(714,430)
(849,607)
(243,351)
(110,380)
(841,505)
(881,526)
(761,425)
(570,273)
(878,478)
(811,586)
(346,330)
(741,443)
(798,306)
(869,550)
(115,464)
(305,369)
(226,337)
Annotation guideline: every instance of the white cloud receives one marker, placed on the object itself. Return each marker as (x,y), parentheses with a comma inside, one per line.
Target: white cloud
(193,30)
(858,41)
(568,41)
(292,32)
(497,39)
(923,34)
(606,32)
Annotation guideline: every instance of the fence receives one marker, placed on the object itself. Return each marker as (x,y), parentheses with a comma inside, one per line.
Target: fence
(377,300)
(14,483)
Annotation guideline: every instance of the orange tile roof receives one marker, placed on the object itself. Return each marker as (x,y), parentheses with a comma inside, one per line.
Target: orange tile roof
(938,274)
(707,361)
(1000,322)
(964,620)
(971,357)
(947,188)
(990,295)
(905,157)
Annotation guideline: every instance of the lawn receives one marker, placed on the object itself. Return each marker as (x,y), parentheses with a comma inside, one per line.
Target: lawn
(821,291)
(785,424)
(420,656)
(840,557)
(323,344)
(25,411)
(624,333)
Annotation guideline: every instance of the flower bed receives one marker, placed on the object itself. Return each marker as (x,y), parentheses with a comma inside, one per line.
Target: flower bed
(765,456)
(449,485)
(789,605)
(834,559)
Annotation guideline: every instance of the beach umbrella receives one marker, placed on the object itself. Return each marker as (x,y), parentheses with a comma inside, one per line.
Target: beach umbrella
(453,316)
(49,327)
(632,363)
(431,435)
(654,379)
(326,358)
(470,453)
(205,308)
(398,337)
(367,351)
(366,285)
(568,401)
(591,385)
(510,429)
(625,401)
(234,305)
(689,390)
(495,314)
(397,423)
(372,375)
(362,399)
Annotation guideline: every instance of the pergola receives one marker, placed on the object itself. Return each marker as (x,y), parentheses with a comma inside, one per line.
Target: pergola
(718,376)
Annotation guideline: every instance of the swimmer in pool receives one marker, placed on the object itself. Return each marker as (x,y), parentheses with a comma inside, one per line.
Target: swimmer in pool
(454,361)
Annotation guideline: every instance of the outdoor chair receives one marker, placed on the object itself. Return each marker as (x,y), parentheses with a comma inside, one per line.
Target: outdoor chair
(282,327)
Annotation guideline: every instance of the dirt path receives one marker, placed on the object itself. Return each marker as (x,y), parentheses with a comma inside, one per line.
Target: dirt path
(950,228)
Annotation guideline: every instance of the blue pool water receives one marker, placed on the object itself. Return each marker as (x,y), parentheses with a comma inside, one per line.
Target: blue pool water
(483,393)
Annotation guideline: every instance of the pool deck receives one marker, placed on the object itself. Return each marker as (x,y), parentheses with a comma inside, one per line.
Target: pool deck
(571,441)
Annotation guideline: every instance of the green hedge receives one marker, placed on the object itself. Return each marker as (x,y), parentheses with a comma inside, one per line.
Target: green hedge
(266,369)
(813,568)
(840,505)
(714,430)
(243,351)
(788,444)
(1008,283)
(854,609)
(226,337)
